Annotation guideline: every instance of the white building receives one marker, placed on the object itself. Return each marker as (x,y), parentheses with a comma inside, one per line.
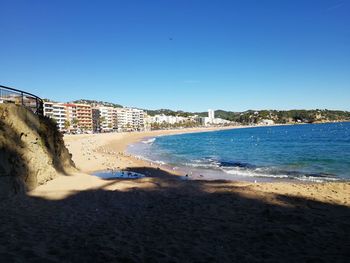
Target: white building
(204,121)
(71,114)
(161,118)
(266,122)
(219,121)
(104,118)
(56,111)
(129,119)
(211,115)
(138,121)
(211,120)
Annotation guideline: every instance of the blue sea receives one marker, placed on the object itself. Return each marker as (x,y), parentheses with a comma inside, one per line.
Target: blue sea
(309,152)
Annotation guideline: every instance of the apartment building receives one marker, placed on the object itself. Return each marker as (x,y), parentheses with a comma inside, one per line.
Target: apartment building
(79,116)
(58,112)
(72,117)
(138,119)
(84,116)
(129,119)
(162,118)
(96,119)
(104,118)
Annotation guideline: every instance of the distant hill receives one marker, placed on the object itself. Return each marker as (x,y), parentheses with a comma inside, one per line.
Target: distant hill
(95,102)
(169,112)
(255,116)
(250,116)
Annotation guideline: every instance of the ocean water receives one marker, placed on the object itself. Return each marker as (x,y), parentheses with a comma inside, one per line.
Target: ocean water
(310,152)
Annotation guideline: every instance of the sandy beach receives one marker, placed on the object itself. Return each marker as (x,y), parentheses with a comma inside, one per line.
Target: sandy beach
(99,152)
(159,218)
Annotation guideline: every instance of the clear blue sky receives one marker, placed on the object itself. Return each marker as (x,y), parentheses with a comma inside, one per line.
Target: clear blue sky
(190,55)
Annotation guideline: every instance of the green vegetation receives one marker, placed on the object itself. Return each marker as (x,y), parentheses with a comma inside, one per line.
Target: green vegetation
(252,116)
(165,125)
(304,116)
(66,124)
(75,122)
(95,102)
(249,116)
(169,112)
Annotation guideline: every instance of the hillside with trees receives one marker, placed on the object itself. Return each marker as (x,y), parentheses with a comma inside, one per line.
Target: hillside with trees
(96,102)
(250,116)
(253,116)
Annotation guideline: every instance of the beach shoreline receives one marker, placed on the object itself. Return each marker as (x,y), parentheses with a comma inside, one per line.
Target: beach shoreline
(93,153)
(107,151)
(80,217)
(110,153)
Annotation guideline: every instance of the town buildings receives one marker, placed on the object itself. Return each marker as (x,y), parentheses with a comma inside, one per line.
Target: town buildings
(72,120)
(58,112)
(162,118)
(130,119)
(70,117)
(211,115)
(81,118)
(211,120)
(168,121)
(266,122)
(84,116)
(104,118)
(107,119)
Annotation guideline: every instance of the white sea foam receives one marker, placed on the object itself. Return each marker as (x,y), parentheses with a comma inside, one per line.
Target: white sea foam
(159,162)
(203,165)
(149,141)
(252,173)
(316,179)
(149,160)
(271,173)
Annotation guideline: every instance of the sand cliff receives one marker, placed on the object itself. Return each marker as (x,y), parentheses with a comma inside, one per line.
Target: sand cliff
(32,150)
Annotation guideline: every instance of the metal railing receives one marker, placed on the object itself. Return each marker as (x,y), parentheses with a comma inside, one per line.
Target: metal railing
(19,97)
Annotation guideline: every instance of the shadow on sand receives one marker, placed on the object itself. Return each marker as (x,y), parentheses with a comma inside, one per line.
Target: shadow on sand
(172,220)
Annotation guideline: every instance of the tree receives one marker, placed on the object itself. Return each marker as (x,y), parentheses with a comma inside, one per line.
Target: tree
(66,124)
(102,119)
(75,121)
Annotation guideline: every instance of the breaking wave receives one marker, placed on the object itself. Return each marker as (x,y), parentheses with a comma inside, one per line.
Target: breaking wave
(149,141)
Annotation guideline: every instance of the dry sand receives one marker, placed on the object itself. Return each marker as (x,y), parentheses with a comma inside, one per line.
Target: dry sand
(163,219)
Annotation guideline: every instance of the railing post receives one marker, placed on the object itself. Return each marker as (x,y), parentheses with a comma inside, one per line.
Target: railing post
(22,98)
(41,107)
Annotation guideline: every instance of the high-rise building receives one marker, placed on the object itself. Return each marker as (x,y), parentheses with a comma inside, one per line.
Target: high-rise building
(58,112)
(72,117)
(84,116)
(129,119)
(211,115)
(79,117)
(104,118)
(96,118)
